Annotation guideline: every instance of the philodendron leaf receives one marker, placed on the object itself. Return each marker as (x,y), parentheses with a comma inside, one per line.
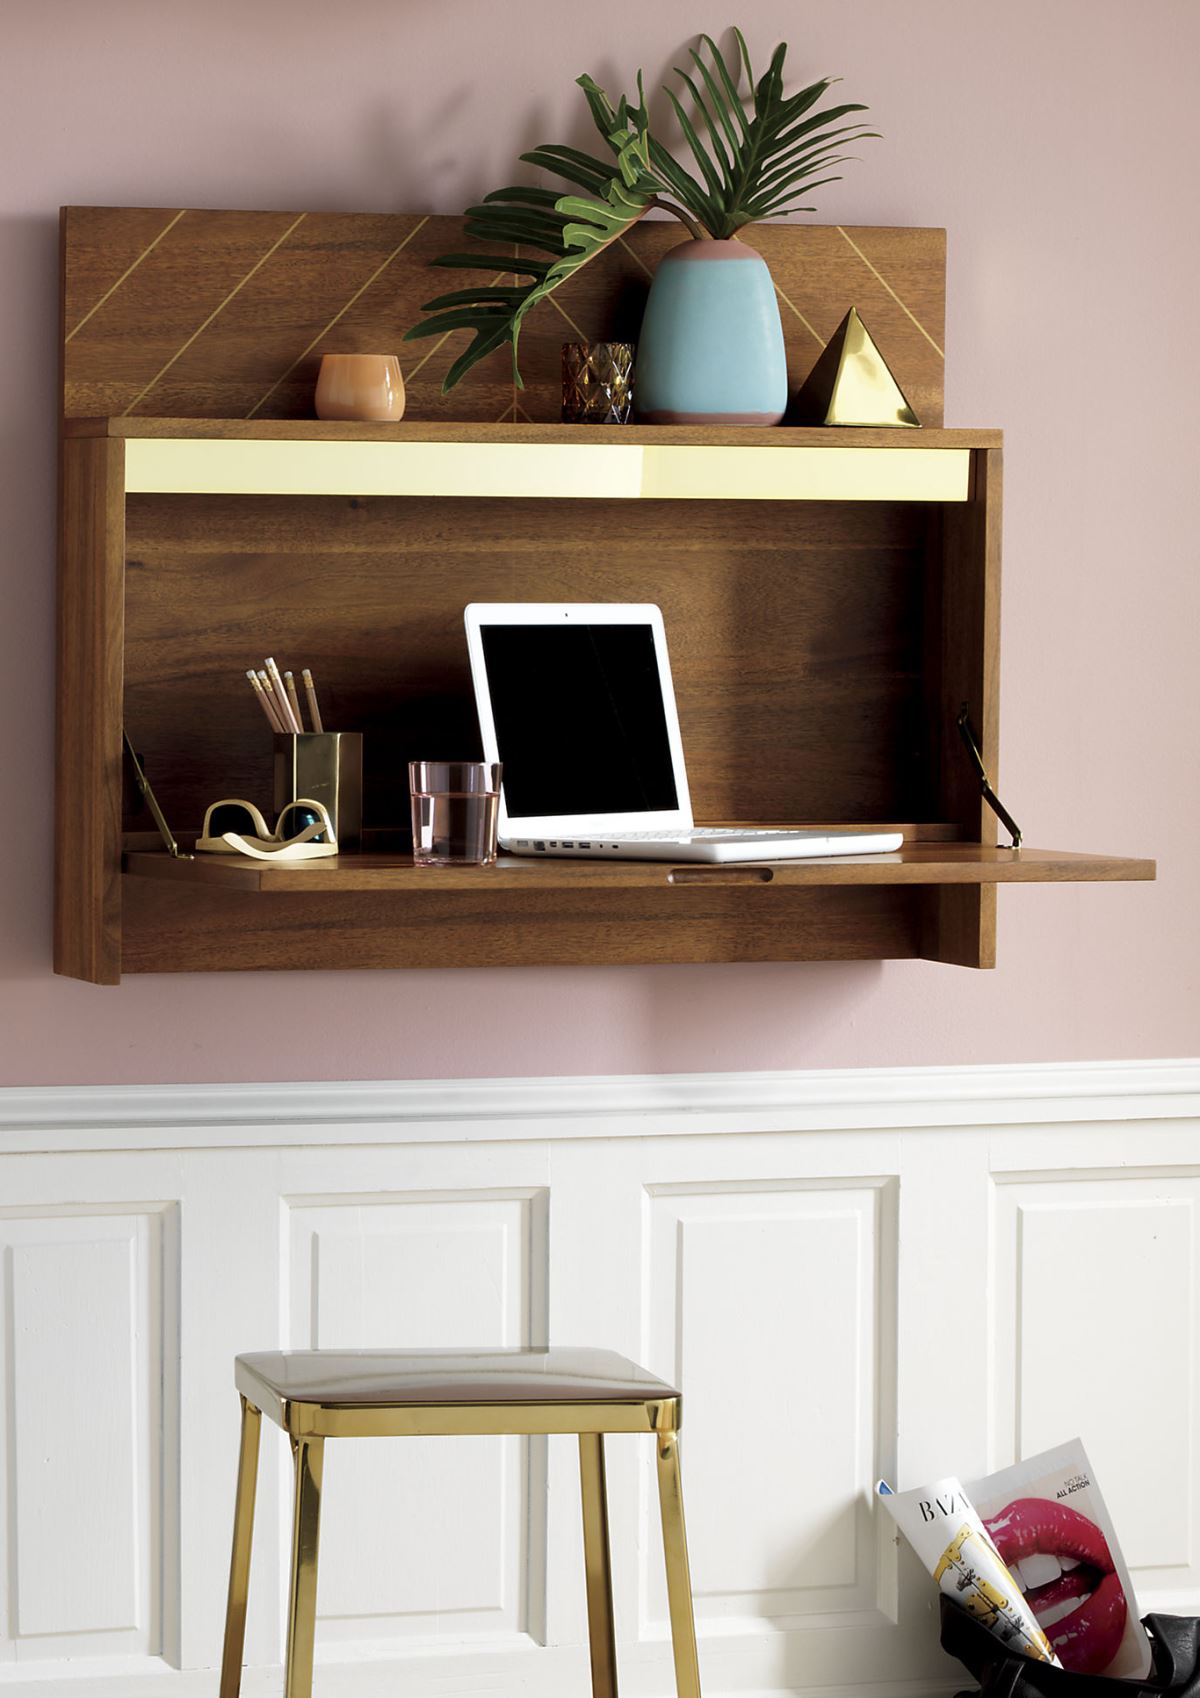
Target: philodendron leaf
(595,224)
(572,229)
(594,175)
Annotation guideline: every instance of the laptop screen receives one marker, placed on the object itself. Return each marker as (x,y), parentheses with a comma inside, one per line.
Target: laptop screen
(579,719)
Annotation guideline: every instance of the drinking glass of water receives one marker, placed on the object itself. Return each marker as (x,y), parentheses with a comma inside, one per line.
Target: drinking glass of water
(455,809)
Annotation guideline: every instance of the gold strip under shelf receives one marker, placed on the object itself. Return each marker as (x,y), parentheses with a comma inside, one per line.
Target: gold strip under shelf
(567,470)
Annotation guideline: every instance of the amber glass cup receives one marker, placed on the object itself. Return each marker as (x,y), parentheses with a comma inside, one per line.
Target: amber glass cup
(597,382)
(360,386)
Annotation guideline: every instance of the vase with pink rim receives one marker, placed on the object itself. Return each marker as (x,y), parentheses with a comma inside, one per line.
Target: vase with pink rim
(711,345)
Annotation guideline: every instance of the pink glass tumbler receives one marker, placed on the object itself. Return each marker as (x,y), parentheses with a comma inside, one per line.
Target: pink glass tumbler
(455,812)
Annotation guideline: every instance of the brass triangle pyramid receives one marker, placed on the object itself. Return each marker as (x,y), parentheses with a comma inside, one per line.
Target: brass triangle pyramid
(851,384)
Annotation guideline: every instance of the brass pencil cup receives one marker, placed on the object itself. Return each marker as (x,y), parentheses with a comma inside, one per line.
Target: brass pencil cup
(326,767)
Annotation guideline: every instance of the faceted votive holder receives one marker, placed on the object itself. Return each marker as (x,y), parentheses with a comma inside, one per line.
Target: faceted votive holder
(597,382)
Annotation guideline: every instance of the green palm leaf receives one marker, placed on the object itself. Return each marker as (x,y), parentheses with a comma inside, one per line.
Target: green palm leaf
(722,110)
(762,150)
(682,185)
(729,83)
(717,189)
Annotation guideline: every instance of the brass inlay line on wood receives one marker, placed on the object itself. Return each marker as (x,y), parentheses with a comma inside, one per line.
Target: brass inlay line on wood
(341,313)
(429,355)
(128,272)
(217,310)
(636,258)
(555,302)
(893,293)
(788,301)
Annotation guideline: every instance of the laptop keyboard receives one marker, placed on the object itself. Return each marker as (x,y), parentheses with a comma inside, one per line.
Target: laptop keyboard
(619,840)
(719,831)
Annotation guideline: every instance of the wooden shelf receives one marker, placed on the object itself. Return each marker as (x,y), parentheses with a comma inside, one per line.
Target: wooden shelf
(480,431)
(915,863)
(931,900)
(312,458)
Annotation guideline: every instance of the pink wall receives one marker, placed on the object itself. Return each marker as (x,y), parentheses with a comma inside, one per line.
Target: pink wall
(1056,143)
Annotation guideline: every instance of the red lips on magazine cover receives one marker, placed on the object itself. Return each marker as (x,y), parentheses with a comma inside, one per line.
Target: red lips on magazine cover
(1082,1610)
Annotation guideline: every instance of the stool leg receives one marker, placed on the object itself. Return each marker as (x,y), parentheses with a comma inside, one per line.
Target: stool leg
(302,1597)
(239,1561)
(601,1633)
(679,1583)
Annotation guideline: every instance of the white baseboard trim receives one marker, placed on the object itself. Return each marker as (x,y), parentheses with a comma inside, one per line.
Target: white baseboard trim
(358,1680)
(145,1117)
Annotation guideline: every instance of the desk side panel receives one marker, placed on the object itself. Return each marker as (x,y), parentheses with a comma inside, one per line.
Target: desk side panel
(87,869)
(964,667)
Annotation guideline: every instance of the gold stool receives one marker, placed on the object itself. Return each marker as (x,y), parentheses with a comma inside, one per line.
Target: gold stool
(316,1395)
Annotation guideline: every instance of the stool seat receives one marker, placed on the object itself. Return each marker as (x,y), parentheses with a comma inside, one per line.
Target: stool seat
(374,1378)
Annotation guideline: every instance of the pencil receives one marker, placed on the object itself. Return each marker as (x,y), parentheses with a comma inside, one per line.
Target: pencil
(269,698)
(263,700)
(293,700)
(281,701)
(310,691)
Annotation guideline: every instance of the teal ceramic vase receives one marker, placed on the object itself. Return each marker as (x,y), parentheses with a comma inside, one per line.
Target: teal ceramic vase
(711,344)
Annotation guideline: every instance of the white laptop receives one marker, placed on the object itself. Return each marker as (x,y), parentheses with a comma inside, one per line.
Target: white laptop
(576,700)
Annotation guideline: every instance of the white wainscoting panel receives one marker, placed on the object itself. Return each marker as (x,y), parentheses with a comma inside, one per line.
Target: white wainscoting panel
(421,1533)
(1096,1288)
(771,1429)
(82,1418)
(905,1273)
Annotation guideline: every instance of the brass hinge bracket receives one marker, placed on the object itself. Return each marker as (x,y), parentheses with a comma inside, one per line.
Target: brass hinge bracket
(989,795)
(151,801)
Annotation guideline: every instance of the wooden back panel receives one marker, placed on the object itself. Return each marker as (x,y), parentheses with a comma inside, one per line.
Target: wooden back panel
(219,314)
(797,644)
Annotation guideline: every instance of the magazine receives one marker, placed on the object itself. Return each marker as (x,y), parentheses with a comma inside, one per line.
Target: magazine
(1052,1527)
(942,1526)
(1031,1552)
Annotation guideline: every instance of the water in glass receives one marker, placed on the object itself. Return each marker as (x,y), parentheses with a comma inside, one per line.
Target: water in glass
(451,827)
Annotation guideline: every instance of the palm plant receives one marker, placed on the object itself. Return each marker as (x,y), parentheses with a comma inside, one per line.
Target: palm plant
(756,160)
